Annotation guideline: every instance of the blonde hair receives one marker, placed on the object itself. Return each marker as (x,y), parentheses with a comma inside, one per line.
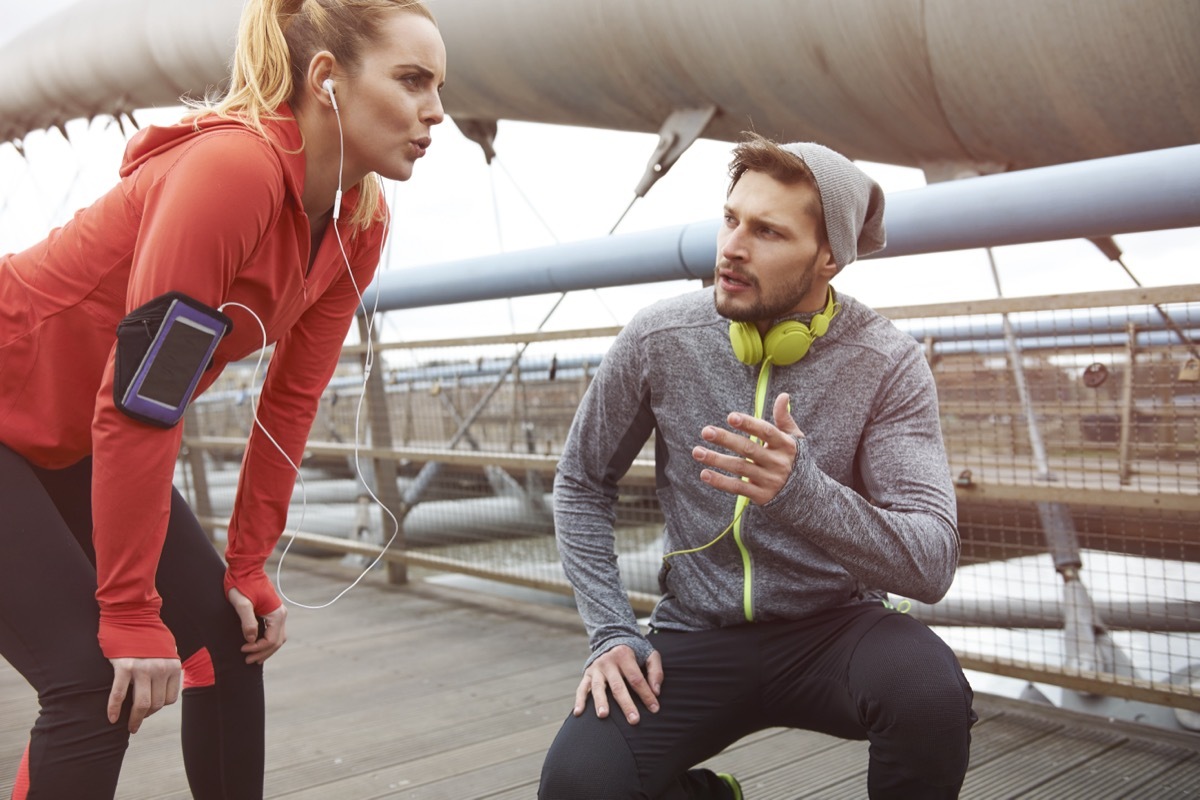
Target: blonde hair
(276,41)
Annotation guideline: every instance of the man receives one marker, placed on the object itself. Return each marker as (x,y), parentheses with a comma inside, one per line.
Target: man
(787,522)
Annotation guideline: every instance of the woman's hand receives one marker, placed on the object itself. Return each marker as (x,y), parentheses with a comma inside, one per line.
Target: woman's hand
(155,684)
(259,648)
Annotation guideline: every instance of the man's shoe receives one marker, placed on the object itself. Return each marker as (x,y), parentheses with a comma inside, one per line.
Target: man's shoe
(733,785)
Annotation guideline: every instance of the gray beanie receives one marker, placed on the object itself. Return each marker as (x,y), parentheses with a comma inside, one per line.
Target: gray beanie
(853,202)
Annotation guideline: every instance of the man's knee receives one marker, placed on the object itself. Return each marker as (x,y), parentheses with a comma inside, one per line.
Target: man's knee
(922,691)
(915,700)
(931,725)
(589,760)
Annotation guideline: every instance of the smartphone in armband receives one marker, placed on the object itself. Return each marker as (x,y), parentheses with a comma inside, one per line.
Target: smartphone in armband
(163,348)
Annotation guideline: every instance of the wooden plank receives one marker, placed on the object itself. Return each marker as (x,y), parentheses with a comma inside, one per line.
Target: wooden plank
(456,761)
(1121,772)
(780,765)
(425,691)
(1183,780)
(517,774)
(851,779)
(1054,302)
(1041,760)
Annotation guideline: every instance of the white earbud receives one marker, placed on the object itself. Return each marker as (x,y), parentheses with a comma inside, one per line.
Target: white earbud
(327,85)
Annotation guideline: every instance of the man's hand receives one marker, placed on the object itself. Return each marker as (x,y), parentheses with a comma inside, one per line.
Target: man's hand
(765,464)
(618,671)
(259,649)
(155,684)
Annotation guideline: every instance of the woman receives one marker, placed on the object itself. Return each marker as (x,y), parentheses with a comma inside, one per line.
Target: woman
(107,581)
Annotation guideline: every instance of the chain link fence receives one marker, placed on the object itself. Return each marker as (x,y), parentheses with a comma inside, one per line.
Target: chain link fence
(1071,423)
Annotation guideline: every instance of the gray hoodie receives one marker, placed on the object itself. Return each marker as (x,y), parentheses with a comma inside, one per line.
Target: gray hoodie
(869,507)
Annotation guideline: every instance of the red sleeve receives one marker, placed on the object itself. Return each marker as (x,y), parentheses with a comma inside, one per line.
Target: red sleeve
(202,218)
(303,363)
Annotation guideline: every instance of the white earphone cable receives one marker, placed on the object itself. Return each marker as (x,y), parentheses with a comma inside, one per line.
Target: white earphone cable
(368,363)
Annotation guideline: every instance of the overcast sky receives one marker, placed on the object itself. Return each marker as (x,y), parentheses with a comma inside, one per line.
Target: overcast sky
(17,15)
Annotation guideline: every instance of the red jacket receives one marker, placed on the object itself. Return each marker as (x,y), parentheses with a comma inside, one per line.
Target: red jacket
(214,213)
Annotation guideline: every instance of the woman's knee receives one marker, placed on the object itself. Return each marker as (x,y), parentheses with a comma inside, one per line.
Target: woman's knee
(205,668)
(75,709)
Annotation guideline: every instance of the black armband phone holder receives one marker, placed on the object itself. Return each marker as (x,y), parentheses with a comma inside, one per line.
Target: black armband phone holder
(163,347)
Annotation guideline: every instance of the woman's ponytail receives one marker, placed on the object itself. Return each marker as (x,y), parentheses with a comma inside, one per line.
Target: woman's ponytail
(261,77)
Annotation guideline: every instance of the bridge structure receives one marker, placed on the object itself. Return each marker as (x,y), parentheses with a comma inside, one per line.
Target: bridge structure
(1072,422)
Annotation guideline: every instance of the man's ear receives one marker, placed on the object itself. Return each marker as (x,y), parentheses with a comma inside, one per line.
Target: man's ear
(826,266)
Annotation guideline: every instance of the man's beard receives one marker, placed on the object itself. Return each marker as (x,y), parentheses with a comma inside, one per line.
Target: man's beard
(779,303)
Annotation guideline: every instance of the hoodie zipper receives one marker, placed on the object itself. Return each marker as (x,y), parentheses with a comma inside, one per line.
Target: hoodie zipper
(747,596)
(760,398)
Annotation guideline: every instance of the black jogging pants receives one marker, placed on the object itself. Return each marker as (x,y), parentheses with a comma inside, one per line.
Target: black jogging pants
(860,672)
(48,624)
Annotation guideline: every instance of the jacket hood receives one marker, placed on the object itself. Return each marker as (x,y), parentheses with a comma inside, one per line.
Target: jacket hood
(283,135)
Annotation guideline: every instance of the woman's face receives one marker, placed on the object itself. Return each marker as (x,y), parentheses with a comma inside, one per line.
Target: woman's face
(393,100)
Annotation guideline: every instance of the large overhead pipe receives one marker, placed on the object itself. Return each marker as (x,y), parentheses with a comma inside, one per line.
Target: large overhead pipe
(1156,190)
(938,84)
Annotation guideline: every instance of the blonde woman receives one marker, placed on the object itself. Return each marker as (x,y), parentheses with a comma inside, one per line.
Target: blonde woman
(112,602)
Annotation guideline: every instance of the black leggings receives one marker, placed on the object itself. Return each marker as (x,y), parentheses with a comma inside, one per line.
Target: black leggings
(864,672)
(48,625)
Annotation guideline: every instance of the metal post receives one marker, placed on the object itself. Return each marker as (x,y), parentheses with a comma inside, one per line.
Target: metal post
(1014,357)
(201,502)
(1125,469)
(514,419)
(1080,622)
(384,468)
(409,425)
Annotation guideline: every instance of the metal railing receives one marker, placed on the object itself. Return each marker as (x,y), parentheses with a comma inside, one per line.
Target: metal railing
(1072,426)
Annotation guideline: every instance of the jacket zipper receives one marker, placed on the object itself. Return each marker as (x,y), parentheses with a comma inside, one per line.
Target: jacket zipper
(747,596)
(760,398)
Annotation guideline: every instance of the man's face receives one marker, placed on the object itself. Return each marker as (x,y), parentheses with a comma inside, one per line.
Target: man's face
(771,259)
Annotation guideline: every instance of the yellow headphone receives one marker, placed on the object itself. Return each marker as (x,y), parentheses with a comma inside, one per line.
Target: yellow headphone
(787,342)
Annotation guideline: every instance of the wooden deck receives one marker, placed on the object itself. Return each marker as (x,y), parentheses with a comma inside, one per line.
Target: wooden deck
(430,692)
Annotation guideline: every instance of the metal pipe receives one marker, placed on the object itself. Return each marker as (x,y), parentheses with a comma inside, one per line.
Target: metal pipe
(568,367)
(936,83)
(1155,190)
(1163,339)
(1053,325)
(1161,615)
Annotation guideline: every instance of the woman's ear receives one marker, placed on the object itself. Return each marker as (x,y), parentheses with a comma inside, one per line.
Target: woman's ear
(321,68)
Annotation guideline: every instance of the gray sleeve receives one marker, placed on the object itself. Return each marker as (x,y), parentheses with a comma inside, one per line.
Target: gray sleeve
(612,423)
(900,534)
